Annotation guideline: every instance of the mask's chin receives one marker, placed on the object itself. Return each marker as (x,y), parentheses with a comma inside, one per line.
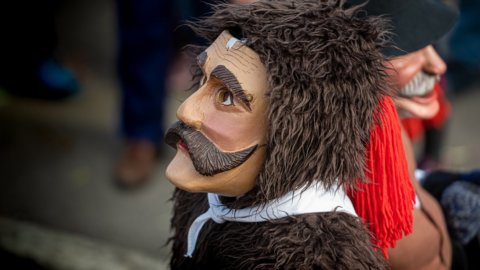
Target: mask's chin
(232,183)
(180,170)
(424,107)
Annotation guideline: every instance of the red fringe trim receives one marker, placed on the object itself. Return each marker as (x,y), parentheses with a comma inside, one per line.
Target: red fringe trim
(386,202)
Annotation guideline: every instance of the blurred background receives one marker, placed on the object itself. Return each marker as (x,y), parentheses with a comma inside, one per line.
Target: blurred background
(61,138)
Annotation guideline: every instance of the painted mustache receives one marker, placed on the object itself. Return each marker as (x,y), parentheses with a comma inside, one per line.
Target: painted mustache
(420,85)
(207,159)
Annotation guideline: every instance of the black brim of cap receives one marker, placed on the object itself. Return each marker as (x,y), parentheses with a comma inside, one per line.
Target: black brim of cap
(414,24)
(416,27)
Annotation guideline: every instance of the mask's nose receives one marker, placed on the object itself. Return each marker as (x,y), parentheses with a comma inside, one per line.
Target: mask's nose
(433,64)
(190,111)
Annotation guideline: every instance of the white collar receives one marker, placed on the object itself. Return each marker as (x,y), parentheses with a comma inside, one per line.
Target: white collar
(314,199)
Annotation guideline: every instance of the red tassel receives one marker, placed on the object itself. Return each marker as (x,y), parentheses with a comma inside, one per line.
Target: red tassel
(386,202)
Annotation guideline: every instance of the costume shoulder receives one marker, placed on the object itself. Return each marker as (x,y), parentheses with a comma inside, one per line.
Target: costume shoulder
(333,240)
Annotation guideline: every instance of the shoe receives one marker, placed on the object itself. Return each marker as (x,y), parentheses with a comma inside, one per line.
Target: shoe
(55,81)
(136,164)
(48,80)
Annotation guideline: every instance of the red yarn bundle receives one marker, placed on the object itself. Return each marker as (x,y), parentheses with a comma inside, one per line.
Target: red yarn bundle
(385,203)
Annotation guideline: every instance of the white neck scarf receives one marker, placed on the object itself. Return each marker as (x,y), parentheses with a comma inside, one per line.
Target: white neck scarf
(314,199)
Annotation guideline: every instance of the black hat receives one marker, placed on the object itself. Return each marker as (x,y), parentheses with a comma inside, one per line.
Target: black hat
(415,23)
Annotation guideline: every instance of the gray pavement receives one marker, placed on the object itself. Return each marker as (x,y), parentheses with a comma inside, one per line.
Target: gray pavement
(56,158)
(55,168)
(58,250)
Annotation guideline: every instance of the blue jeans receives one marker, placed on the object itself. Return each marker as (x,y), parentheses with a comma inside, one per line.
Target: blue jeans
(144,31)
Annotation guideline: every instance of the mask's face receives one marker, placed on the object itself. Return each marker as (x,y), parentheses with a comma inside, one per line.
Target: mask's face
(415,75)
(221,133)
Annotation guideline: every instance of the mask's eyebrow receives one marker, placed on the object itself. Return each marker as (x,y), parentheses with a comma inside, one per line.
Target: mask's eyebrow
(222,73)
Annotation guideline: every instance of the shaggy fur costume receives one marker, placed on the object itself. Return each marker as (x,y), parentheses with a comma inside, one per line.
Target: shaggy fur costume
(333,240)
(326,77)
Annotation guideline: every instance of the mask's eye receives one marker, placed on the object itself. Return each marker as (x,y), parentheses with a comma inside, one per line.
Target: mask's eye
(225,97)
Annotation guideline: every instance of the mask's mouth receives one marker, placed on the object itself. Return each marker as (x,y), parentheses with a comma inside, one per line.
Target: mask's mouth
(421,87)
(418,97)
(182,145)
(207,159)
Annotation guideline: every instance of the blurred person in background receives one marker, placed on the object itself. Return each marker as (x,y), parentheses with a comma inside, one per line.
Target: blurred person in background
(145,34)
(414,74)
(29,66)
(415,71)
(463,58)
(149,62)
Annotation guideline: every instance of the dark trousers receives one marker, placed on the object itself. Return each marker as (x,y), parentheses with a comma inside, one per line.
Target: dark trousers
(144,31)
